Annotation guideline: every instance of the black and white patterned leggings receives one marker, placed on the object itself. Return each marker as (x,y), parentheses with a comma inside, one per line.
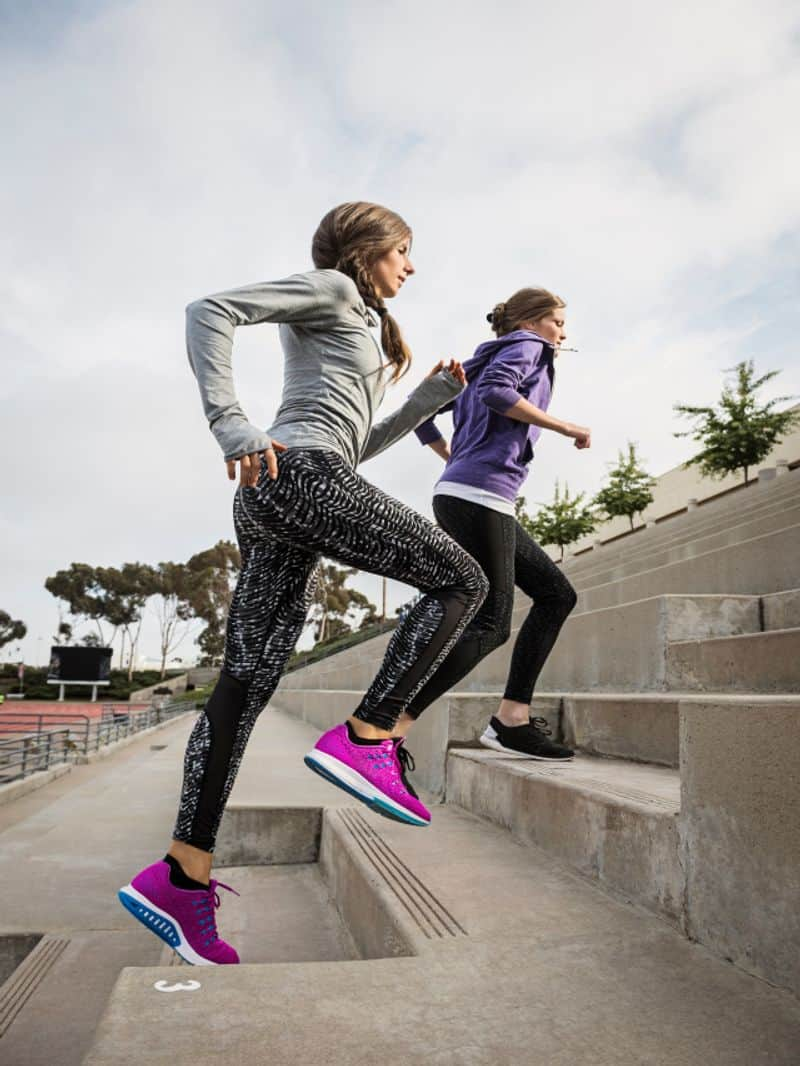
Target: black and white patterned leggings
(318,506)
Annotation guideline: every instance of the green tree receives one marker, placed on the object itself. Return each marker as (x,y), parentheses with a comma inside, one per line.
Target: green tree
(336,608)
(629,487)
(213,576)
(10,629)
(82,590)
(561,522)
(739,433)
(126,592)
(172,590)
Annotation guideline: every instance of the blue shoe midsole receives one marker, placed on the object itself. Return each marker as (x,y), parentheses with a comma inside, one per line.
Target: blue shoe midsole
(373,802)
(156,923)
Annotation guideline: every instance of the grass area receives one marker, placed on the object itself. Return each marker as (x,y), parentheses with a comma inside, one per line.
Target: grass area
(330,647)
(195,695)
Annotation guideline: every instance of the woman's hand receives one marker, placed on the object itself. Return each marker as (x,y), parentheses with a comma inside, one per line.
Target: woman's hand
(580,434)
(441,447)
(454,368)
(250,465)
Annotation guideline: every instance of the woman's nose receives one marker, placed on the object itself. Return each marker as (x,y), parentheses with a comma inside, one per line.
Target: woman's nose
(410,268)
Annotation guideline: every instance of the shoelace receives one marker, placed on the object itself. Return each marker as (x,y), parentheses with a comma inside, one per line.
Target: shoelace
(541,726)
(406,760)
(205,909)
(407,766)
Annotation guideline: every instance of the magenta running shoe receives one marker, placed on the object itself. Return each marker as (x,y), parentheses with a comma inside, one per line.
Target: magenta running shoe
(183,918)
(374,773)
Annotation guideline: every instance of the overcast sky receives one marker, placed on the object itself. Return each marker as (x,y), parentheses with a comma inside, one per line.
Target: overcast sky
(641,160)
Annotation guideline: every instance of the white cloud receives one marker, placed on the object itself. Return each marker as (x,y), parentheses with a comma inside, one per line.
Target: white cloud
(637,159)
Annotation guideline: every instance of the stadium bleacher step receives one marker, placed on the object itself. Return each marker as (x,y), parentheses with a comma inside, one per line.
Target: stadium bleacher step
(754,662)
(613,821)
(716,515)
(590,964)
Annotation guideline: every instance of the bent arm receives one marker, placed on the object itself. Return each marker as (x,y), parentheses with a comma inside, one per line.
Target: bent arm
(498,385)
(421,404)
(524,411)
(210,324)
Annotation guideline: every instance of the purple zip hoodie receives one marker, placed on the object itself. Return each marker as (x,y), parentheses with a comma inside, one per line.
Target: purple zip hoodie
(489,450)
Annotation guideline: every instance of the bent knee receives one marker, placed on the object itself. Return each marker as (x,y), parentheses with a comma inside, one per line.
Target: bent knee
(568,599)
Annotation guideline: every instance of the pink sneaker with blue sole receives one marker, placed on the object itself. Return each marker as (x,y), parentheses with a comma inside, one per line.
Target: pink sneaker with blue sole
(183,918)
(373,773)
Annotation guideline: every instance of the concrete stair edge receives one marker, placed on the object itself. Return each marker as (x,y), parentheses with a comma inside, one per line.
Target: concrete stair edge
(679,541)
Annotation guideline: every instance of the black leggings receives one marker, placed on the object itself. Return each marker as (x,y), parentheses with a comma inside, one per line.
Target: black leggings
(509,557)
(318,506)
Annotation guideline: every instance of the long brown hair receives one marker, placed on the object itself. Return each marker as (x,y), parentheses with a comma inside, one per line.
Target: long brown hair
(352,238)
(526,305)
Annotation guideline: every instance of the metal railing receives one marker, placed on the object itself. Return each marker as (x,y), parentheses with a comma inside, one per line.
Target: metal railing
(34,741)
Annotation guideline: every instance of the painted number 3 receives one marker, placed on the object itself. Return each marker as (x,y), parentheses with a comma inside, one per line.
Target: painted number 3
(181,986)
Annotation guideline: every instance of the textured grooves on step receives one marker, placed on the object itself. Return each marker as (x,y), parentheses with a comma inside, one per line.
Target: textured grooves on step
(422,905)
(27,977)
(592,784)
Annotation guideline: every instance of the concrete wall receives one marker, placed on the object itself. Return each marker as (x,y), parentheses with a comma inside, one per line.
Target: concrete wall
(740,789)
(176,684)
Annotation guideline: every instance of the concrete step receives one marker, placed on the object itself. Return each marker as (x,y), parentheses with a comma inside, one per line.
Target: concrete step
(755,662)
(781,610)
(716,514)
(687,546)
(611,820)
(365,657)
(623,648)
(61,863)
(636,726)
(366,652)
(302,922)
(645,726)
(607,976)
(761,565)
(684,528)
(765,564)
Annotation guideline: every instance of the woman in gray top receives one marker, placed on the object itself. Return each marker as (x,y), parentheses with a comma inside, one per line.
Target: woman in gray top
(300,498)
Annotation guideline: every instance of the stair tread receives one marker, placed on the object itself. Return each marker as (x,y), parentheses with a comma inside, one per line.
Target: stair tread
(656,787)
(770,635)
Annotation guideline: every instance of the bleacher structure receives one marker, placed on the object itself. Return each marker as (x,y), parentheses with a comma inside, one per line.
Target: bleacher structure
(677,678)
(638,905)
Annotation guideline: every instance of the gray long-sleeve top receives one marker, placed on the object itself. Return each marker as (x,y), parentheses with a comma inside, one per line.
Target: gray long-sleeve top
(335,375)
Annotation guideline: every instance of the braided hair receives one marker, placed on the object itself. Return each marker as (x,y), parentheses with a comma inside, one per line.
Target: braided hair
(352,238)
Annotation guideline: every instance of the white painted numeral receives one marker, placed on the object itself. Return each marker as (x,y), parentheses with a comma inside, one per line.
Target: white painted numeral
(181,986)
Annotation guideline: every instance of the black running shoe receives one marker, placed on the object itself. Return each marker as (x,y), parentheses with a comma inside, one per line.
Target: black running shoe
(530,741)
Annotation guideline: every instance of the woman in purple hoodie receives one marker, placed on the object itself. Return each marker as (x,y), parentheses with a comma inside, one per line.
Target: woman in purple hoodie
(497,420)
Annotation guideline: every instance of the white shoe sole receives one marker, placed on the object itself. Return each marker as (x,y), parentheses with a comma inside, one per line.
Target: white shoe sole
(162,924)
(339,773)
(495,745)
